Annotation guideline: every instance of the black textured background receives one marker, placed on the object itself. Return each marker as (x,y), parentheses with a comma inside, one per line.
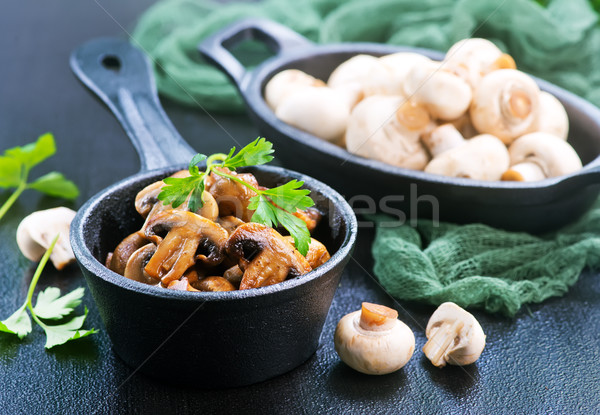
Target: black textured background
(546,360)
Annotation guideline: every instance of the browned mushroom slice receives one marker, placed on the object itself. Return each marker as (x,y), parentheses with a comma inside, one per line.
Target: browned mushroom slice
(310,216)
(181,285)
(234,275)
(183,237)
(214,284)
(134,270)
(230,223)
(232,197)
(317,253)
(118,260)
(264,255)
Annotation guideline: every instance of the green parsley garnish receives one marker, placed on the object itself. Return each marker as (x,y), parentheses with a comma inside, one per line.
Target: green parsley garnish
(271,207)
(16,163)
(49,306)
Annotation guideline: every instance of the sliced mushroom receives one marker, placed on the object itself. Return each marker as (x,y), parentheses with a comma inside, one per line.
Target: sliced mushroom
(310,216)
(121,254)
(37,230)
(553,118)
(453,336)
(443,138)
(265,256)
(373,341)
(506,104)
(232,197)
(387,129)
(214,284)
(483,157)
(181,285)
(322,112)
(189,237)
(445,95)
(286,83)
(317,253)
(537,156)
(137,261)
(473,58)
(229,223)
(234,275)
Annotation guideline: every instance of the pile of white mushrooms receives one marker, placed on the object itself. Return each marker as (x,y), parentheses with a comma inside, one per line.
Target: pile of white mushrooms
(472,115)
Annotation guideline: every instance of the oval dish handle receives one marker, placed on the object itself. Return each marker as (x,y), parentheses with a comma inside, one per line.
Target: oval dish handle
(278,38)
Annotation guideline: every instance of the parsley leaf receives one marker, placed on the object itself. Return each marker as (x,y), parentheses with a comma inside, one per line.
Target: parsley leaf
(61,333)
(256,153)
(50,305)
(272,207)
(18,323)
(16,163)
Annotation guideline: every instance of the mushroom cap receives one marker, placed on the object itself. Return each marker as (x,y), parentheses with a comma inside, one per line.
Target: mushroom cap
(390,81)
(264,255)
(442,138)
(553,155)
(287,82)
(232,197)
(553,117)
(137,261)
(506,104)
(37,230)
(454,336)
(446,95)
(483,157)
(373,352)
(473,58)
(323,112)
(375,131)
(123,251)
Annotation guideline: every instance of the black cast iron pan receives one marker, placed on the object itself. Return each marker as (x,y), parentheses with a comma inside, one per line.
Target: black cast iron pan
(534,207)
(206,339)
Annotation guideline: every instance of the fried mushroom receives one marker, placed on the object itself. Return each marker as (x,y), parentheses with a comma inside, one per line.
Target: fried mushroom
(189,237)
(317,253)
(232,197)
(265,256)
(119,258)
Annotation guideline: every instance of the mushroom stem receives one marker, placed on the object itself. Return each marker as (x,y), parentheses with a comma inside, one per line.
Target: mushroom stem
(437,346)
(524,172)
(377,317)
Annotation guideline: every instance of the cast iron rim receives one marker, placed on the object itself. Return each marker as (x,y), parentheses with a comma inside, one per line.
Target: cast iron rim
(87,260)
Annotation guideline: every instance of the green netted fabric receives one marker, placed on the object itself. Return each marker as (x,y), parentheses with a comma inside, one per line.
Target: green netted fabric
(482,267)
(560,42)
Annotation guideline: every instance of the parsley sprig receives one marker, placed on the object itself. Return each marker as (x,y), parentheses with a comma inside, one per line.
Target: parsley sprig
(16,163)
(49,306)
(272,207)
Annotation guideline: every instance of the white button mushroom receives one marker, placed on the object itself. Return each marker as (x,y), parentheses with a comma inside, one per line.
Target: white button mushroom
(37,230)
(321,111)
(387,128)
(505,104)
(483,157)
(471,59)
(553,117)
(287,82)
(443,138)
(355,74)
(445,95)
(454,336)
(537,156)
(373,341)
(397,66)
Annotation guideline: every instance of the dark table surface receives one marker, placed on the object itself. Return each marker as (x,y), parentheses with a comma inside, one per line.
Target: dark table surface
(546,360)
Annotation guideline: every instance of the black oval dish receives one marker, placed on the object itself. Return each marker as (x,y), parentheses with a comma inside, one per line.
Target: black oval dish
(205,339)
(534,207)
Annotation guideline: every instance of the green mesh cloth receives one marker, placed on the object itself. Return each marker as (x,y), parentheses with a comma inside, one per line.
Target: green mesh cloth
(482,267)
(560,43)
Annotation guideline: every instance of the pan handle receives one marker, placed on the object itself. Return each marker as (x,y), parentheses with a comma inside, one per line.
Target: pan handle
(121,76)
(278,38)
